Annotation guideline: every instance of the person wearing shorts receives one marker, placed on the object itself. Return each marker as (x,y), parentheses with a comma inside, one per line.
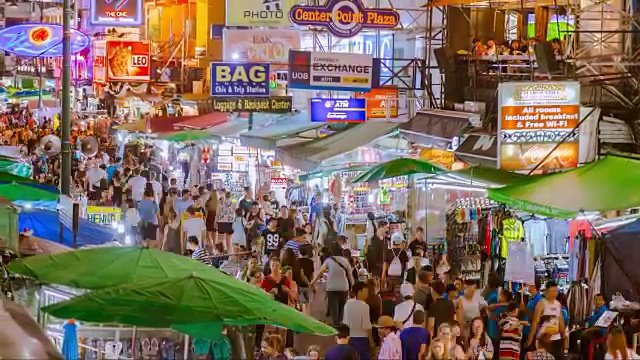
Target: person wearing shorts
(226,214)
(149,215)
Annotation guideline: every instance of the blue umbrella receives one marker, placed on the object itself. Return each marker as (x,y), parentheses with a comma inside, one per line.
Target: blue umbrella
(70,341)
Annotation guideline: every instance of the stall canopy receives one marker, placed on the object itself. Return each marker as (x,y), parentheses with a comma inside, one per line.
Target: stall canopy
(612,183)
(203,121)
(478,149)
(480,176)
(437,127)
(268,137)
(240,124)
(308,155)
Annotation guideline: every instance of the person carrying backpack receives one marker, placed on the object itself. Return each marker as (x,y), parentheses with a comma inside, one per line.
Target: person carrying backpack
(395,263)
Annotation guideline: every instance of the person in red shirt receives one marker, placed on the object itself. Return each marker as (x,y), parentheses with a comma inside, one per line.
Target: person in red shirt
(276,283)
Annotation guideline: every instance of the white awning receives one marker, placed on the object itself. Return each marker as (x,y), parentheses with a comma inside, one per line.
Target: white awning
(269,136)
(308,155)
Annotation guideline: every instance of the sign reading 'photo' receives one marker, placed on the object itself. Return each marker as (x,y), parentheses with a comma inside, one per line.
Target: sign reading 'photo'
(258,12)
(239,79)
(538,125)
(330,71)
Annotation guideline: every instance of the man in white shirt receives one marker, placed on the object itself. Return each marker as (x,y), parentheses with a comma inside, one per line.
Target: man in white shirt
(157,187)
(137,184)
(356,317)
(403,313)
(194,226)
(94,175)
(391,348)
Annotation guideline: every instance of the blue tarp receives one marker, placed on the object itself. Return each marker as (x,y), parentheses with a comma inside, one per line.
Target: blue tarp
(46,224)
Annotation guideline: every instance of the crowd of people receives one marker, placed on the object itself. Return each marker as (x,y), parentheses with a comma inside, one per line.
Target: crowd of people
(514,47)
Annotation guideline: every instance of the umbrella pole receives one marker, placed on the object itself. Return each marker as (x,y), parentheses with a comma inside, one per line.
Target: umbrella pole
(133,342)
(185,352)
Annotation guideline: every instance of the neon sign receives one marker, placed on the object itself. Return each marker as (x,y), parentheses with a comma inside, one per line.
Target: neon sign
(116,12)
(35,40)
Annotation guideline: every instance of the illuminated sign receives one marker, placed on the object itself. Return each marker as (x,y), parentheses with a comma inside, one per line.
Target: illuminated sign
(338,110)
(538,122)
(99,61)
(128,60)
(239,79)
(116,12)
(35,40)
(330,71)
(103,215)
(344,18)
(382,102)
(271,104)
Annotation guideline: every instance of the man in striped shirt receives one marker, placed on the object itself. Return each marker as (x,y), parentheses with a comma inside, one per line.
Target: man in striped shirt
(295,244)
(511,333)
(199,253)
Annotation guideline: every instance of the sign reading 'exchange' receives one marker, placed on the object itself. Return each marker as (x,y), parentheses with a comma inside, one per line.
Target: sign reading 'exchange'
(273,104)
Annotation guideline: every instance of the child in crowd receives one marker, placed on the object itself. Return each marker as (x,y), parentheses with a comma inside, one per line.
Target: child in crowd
(511,333)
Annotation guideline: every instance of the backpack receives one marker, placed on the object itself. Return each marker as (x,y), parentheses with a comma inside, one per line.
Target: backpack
(332,234)
(395,267)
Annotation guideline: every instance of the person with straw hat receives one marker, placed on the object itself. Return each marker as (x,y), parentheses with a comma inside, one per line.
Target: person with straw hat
(391,348)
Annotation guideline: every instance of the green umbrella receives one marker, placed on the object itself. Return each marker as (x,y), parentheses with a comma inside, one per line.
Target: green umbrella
(22,192)
(397,167)
(184,302)
(104,267)
(188,135)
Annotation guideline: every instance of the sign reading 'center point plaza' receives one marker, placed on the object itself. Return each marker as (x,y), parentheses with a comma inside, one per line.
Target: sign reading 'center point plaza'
(344,18)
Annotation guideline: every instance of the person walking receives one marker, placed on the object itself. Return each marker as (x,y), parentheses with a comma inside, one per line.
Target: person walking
(356,317)
(339,282)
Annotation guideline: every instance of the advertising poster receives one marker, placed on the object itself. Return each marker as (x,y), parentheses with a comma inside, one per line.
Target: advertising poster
(330,71)
(99,61)
(260,45)
(533,119)
(104,215)
(116,12)
(239,79)
(128,60)
(381,102)
(338,110)
(35,40)
(344,18)
(272,104)
(258,12)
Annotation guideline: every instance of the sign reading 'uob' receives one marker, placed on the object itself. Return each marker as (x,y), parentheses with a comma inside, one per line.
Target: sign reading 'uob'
(344,18)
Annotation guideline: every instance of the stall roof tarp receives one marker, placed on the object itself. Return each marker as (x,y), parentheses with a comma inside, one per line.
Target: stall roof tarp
(268,136)
(203,121)
(308,155)
(437,126)
(612,183)
(479,149)
(46,225)
(234,127)
(620,272)
(482,176)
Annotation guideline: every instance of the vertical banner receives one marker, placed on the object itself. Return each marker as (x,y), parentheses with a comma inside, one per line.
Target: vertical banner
(99,61)
(533,120)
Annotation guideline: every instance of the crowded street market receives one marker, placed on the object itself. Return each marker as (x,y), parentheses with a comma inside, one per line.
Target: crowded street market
(350,180)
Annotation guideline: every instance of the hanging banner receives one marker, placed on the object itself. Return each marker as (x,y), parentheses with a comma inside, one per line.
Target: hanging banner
(272,104)
(378,107)
(104,215)
(533,119)
(116,12)
(258,12)
(260,45)
(99,61)
(338,110)
(128,60)
(239,79)
(330,71)
(35,40)
(344,18)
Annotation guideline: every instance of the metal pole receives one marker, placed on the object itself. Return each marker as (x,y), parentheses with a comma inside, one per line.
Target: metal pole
(65,181)
(40,63)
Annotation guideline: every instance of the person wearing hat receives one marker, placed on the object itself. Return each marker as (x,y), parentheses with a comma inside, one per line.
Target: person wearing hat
(403,313)
(391,348)
(395,263)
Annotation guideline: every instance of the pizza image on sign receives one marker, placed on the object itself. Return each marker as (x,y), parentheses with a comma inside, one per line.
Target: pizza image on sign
(128,61)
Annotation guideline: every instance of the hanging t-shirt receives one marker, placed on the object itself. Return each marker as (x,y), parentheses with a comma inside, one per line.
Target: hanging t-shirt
(558,236)
(535,234)
(512,230)
(271,241)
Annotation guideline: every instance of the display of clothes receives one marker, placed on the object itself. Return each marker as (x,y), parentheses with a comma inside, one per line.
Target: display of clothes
(512,230)
(579,257)
(553,267)
(578,303)
(536,234)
